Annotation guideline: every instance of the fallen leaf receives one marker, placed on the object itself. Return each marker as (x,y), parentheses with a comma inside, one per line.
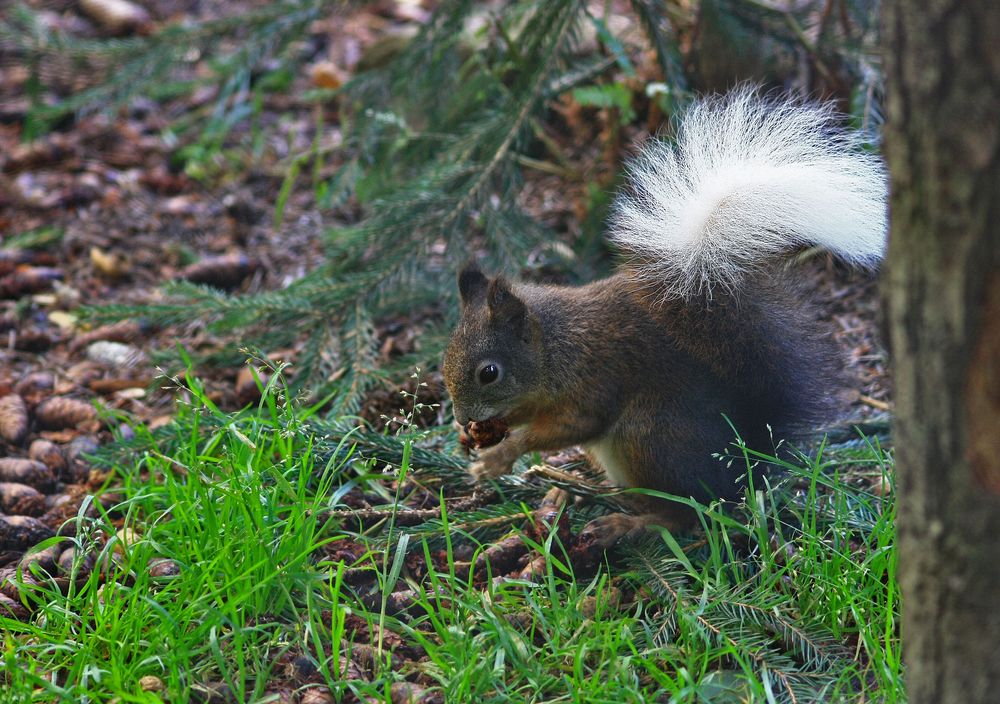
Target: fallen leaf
(113,265)
(325,74)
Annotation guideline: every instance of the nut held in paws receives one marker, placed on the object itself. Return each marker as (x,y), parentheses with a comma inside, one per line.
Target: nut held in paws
(486,433)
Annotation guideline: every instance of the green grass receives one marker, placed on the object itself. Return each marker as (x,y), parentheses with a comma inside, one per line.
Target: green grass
(792,597)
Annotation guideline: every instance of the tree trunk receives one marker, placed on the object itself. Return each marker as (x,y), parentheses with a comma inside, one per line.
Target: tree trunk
(942,291)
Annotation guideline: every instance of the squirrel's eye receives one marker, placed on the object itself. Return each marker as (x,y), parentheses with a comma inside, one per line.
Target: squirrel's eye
(489,374)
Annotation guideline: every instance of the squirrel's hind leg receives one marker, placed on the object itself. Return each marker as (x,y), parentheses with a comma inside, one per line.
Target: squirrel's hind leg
(604,532)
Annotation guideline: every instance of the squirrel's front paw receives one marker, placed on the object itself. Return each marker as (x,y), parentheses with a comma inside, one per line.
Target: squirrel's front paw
(485,469)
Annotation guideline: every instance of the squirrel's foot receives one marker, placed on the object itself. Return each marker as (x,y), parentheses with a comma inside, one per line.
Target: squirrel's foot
(604,532)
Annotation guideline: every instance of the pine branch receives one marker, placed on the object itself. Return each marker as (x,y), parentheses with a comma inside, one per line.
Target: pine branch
(417,198)
(655,22)
(146,65)
(803,660)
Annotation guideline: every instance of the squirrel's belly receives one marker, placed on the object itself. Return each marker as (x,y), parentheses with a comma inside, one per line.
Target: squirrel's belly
(604,453)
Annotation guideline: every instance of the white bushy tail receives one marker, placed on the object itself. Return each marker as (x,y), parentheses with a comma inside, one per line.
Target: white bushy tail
(748,178)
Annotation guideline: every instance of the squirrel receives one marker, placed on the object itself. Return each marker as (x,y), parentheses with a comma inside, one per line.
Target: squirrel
(702,330)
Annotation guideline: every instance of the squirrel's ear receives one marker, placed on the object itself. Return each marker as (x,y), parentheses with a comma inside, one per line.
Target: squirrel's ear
(505,306)
(472,284)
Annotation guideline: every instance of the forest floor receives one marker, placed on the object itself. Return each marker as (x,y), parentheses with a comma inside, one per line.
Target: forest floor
(104,210)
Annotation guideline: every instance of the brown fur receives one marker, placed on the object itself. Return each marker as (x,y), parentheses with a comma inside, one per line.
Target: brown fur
(643,383)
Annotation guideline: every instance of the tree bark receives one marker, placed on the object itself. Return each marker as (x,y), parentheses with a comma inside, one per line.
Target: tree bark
(942,300)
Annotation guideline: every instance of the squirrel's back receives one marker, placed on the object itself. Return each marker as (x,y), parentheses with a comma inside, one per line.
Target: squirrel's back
(769,352)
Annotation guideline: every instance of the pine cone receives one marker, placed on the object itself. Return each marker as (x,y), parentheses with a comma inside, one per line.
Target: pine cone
(225,272)
(22,471)
(59,413)
(246,386)
(13,609)
(49,454)
(13,419)
(122,331)
(28,280)
(19,533)
(21,499)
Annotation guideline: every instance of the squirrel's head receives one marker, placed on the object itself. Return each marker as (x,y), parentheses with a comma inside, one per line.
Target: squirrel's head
(492,360)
